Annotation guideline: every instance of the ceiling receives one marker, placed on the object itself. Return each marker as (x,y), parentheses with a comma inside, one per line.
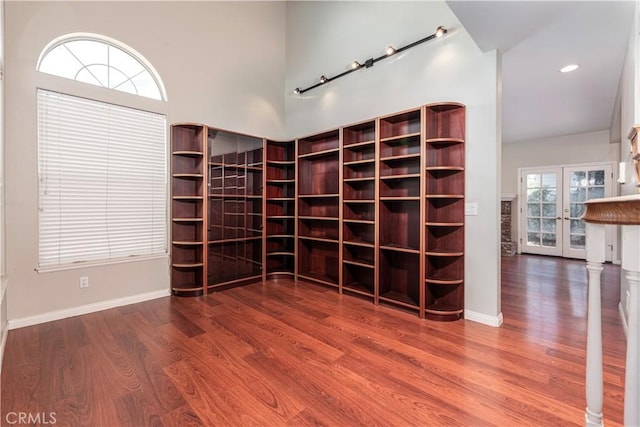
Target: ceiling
(537,38)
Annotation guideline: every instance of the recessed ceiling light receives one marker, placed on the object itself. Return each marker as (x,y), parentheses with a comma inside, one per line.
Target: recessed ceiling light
(569,68)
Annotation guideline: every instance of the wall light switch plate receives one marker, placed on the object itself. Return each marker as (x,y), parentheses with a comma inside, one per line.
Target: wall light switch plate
(471,208)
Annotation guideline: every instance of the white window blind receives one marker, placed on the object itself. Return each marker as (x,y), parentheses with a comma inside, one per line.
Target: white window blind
(102,181)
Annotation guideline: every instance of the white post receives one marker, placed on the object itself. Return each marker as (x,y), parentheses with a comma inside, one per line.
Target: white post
(631,264)
(595,257)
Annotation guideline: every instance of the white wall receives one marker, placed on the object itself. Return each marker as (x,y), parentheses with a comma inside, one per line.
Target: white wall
(222,64)
(324,37)
(588,147)
(630,116)
(3,278)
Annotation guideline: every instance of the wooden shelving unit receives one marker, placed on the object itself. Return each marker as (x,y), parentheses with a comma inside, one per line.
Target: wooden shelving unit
(216,181)
(188,213)
(280,196)
(318,208)
(444,220)
(374,208)
(359,209)
(235,171)
(399,209)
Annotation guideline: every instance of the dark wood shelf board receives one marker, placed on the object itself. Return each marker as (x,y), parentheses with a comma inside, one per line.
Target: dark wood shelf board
(358,243)
(315,154)
(317,218)
(396,248)
(357,146)
(358,264)
(319,278)
(443,281)
(182,265)
(444,141)
(188,153)
(359,162)
(400,299)
(444,253)
(399,138)
(400,158)
(318,239)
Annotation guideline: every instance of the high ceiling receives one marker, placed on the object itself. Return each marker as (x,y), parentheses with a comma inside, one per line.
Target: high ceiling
(537,38)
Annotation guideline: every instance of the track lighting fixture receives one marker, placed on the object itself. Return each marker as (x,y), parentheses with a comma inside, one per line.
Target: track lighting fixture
(356,65)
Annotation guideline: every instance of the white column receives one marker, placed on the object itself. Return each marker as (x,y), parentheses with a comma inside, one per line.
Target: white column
(631,266)
(595,258)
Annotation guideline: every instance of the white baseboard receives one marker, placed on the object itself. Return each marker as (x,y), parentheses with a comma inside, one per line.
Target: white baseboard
(85,309)
(623,318)
(495,321)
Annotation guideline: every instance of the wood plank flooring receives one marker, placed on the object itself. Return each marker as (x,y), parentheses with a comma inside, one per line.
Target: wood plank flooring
(285,353)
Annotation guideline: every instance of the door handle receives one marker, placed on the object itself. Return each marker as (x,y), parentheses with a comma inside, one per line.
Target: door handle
(566,218)
(558,217)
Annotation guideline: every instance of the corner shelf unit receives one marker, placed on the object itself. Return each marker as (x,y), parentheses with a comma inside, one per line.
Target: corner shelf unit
(279,209)
(217,182)
(444,216)
(188,213)
(374,209)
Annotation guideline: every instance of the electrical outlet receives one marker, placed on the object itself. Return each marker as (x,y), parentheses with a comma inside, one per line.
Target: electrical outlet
(84,282)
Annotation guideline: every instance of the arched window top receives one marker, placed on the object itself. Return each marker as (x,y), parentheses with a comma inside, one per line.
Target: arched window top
(101,61)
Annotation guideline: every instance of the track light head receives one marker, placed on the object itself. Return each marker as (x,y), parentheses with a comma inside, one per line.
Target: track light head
(391,50)
(323,79)
(440,31)
(297,91)
(355,64)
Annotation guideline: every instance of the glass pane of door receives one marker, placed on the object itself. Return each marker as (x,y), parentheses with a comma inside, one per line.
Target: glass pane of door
(581,184)
(541,211)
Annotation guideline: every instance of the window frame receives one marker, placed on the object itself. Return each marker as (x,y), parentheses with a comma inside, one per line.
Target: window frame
(109,42)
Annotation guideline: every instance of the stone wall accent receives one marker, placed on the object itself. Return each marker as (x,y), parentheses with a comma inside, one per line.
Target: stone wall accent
(507,246)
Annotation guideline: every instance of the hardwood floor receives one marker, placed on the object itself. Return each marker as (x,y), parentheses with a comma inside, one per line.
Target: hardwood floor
(285,353)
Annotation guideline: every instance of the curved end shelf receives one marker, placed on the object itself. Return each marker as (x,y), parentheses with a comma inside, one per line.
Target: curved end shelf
(436,253)
(439,281)
(443,316)
(444,141)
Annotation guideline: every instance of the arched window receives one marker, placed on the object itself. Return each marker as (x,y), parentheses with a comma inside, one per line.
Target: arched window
(102,168)
(100,61)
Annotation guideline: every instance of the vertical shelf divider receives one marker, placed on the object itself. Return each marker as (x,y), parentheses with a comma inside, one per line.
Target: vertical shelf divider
(376,207)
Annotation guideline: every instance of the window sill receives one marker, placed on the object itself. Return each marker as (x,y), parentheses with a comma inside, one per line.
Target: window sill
(90,264)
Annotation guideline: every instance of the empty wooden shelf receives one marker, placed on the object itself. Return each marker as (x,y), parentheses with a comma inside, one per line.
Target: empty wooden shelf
(374,208)
(280,209)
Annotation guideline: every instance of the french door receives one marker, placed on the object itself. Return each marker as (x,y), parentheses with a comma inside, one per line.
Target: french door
(552,204)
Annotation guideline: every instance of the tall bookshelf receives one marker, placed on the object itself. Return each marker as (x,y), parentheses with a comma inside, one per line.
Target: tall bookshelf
(318,208)
(444,221)
(280,196)
(188,211)
(399,164)
(359,209)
